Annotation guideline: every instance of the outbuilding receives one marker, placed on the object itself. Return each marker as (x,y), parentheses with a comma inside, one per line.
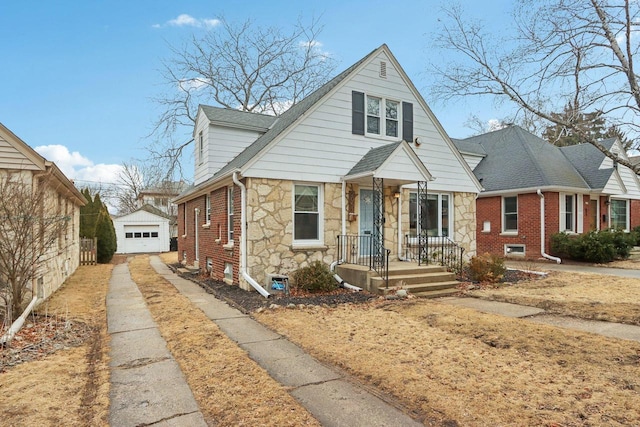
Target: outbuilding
(145,230)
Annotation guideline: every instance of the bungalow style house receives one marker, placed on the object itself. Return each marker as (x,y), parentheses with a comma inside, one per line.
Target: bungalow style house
(355,171)
(533,189)
(19,163)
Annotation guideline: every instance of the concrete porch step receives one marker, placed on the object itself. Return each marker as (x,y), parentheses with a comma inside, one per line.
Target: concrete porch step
(424,288)
(413,278)
(437,294)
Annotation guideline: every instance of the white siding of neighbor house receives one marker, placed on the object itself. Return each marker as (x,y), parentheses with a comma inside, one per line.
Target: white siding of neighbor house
(142,221)
(628,178)
(12,158)
(472,160)
(321,147)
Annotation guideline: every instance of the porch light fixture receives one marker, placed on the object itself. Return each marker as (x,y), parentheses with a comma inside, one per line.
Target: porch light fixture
(396,194)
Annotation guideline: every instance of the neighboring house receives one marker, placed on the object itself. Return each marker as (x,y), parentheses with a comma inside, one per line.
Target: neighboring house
(160,198)
(145,230)
(20,162)
(533,189)
(272,194)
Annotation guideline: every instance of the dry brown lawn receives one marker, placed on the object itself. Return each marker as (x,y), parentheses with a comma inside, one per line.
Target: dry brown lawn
(71,386)
(169,257)
(230,388)
(477,369)
(587,296)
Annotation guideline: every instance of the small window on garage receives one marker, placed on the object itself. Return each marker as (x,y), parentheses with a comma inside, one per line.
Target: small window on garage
(128,235)
(146,234)
(137,235)
(154,234)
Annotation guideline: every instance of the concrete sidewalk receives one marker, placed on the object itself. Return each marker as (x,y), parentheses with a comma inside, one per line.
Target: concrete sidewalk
(147,385)
(325,393)
(578,268)
(537,315)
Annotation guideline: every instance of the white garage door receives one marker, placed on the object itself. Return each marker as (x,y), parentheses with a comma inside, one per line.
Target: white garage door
(142,238)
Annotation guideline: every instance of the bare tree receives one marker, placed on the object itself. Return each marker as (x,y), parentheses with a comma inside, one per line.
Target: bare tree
(244,67)
(30,225)
(563,51)
(132,179)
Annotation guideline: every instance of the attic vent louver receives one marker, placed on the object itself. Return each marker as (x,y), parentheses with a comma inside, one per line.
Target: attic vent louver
(383,69)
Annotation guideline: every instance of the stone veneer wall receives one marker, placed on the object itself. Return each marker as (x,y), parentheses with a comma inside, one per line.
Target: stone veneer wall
(464,218)
(270,229)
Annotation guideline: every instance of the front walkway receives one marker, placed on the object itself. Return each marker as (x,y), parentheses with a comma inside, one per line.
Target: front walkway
(577,268)
(327,394)
(147,385)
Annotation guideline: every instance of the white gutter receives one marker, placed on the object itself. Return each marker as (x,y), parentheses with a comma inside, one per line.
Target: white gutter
(15,326)
(542,252)
(342,283)
(243,239)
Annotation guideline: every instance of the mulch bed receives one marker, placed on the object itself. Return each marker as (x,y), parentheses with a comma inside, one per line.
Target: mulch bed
(40,336)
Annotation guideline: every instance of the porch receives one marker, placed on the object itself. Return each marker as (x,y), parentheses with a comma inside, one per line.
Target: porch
(429,281)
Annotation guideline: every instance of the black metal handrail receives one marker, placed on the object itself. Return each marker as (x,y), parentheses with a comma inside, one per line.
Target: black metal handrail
(434,250)
(363,250)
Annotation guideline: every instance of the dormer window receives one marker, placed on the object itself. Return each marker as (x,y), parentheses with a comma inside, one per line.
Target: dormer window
(388,127)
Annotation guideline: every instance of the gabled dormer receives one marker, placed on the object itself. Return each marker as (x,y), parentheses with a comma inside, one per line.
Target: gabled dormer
(220,134)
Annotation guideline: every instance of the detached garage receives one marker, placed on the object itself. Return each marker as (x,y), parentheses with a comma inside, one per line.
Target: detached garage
(143,231)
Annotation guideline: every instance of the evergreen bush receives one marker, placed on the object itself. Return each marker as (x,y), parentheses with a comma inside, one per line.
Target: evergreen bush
(315,278)
(595,246)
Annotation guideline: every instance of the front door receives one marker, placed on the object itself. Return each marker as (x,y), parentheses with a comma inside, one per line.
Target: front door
(593,214)
(366,221)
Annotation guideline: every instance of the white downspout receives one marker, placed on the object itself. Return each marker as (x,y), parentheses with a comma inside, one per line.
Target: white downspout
(342,283)
(17,325)
(243,238)
(542,252)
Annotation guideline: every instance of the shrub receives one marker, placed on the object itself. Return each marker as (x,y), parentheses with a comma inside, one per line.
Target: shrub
(636,233)
(594,246)
(487,268)
(315,278)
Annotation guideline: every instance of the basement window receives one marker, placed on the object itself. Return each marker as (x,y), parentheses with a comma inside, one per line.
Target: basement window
(514,250)
(228,272)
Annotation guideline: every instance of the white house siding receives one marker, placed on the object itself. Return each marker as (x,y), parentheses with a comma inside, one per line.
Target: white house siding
(12,158)
(472,160)
(321,148)
(142,221)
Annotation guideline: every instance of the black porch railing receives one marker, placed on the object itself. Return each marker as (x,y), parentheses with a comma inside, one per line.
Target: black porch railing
(362,250)
(434,250)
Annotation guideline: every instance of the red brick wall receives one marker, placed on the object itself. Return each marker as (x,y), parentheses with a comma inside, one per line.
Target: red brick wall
(494,241)
(212,238)
(634,208)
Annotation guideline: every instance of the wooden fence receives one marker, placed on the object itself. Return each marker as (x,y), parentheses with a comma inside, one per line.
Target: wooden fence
(88,251)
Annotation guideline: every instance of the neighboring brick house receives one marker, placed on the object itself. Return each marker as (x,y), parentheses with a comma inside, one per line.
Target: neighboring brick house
(575,188)
(272,194)
(20,163)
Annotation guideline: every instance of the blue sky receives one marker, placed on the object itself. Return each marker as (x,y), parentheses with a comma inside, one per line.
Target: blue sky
(77,77)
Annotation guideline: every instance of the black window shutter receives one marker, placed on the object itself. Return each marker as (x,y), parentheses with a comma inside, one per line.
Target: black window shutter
(407,121)
(357,113)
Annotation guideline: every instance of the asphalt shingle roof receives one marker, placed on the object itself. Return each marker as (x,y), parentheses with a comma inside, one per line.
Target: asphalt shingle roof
(518,159)
(374,158)
(587,159)
(465,146)
(237,117)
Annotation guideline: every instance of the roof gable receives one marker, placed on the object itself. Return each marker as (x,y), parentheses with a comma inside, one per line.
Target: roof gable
(395,162)
(237,118)
(15,153)
(144,213)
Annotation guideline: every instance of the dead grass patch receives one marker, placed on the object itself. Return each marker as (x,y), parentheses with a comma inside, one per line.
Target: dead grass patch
(230,388)
(478,369)
(169,257)
(587,296)
(71,386)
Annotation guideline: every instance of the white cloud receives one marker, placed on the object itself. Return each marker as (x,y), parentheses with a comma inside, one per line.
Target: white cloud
(186,20)
(495,124)
(197,83)
(316,46)
(76,166)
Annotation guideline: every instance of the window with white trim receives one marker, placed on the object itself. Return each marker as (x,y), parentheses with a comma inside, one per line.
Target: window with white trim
(568,212)
(379,124)
(230,214)
(184,219)
(434,216)
(514,250)
(510,214)
(307,213)
(207,206)
(619,214)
